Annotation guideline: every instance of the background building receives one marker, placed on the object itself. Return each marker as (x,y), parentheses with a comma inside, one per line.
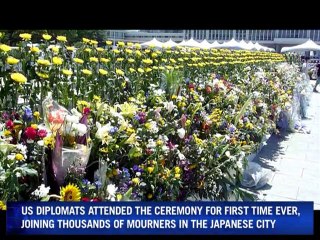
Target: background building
(270,38)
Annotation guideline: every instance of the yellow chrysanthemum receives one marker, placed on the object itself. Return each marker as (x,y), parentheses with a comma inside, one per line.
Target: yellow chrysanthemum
(46,36)
(57,60)
(150,169)
(62,38)
(86,72)
(121,44)
(43,75)
(140,70)
(12,60)
(78,60)
(5,48)
(43,62)
(70,193)
(55,49)
(48,141)
(119,197)
(7,133)
(103,72)
(105,60)
(19,157)
(135,181)
(177,170)
(137,46)
(132,70)
(87,50)
(85,40)
(100,49)
(82,103)
(119,72)
(129,44)
(70,48)
(109,42)
(129,51)
(25,36)
(67,72)
(3,206)
(96,98)
(34,49)
(18,77)
(93,42)
(93,59)
(36,114)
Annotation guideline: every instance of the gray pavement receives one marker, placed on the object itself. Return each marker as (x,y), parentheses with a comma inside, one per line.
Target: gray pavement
(294,160)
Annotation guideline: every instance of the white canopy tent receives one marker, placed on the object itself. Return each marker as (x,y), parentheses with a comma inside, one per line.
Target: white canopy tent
(182,43)
(258,47)
(250,45)
(205,44)
(232,44)
(153,43)
(191,43)
(169,44)
(307,46)
(244,45)
(215,44)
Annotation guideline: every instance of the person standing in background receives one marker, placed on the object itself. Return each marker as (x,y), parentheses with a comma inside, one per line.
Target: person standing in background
(318,77)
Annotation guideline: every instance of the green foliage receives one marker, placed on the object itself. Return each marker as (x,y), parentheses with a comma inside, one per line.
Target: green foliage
(171,81)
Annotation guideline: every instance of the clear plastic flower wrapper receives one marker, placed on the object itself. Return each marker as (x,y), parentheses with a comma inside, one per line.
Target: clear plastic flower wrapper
(54,114)
(71,151)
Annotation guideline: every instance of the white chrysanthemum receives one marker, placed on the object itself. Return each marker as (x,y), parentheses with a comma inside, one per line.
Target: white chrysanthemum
(102,131)
(159,92)
(72,119)
(76,113)
(181,132)
(22,148)
(169,106)
(111,190)
(82,129)
(41,192)
(181,156)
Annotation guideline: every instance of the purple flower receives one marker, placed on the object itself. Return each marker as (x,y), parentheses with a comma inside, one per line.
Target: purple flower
(98,184)
(27,116)
(136,168)
(113,130)
(85,181)
(5,115)
(232,128)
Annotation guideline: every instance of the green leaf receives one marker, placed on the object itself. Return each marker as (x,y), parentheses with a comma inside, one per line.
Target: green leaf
(127,195)
(45,199)
(30,171)
(245,105)
(135,152)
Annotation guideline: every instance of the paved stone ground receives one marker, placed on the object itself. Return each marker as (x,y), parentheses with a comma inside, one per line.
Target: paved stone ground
(294,159)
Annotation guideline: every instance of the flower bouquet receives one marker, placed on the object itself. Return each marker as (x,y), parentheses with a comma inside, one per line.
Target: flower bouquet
(70,133)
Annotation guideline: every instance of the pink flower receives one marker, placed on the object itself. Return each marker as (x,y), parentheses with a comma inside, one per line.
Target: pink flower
(42,133)
(31,133)
(9,124)
(86,110)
